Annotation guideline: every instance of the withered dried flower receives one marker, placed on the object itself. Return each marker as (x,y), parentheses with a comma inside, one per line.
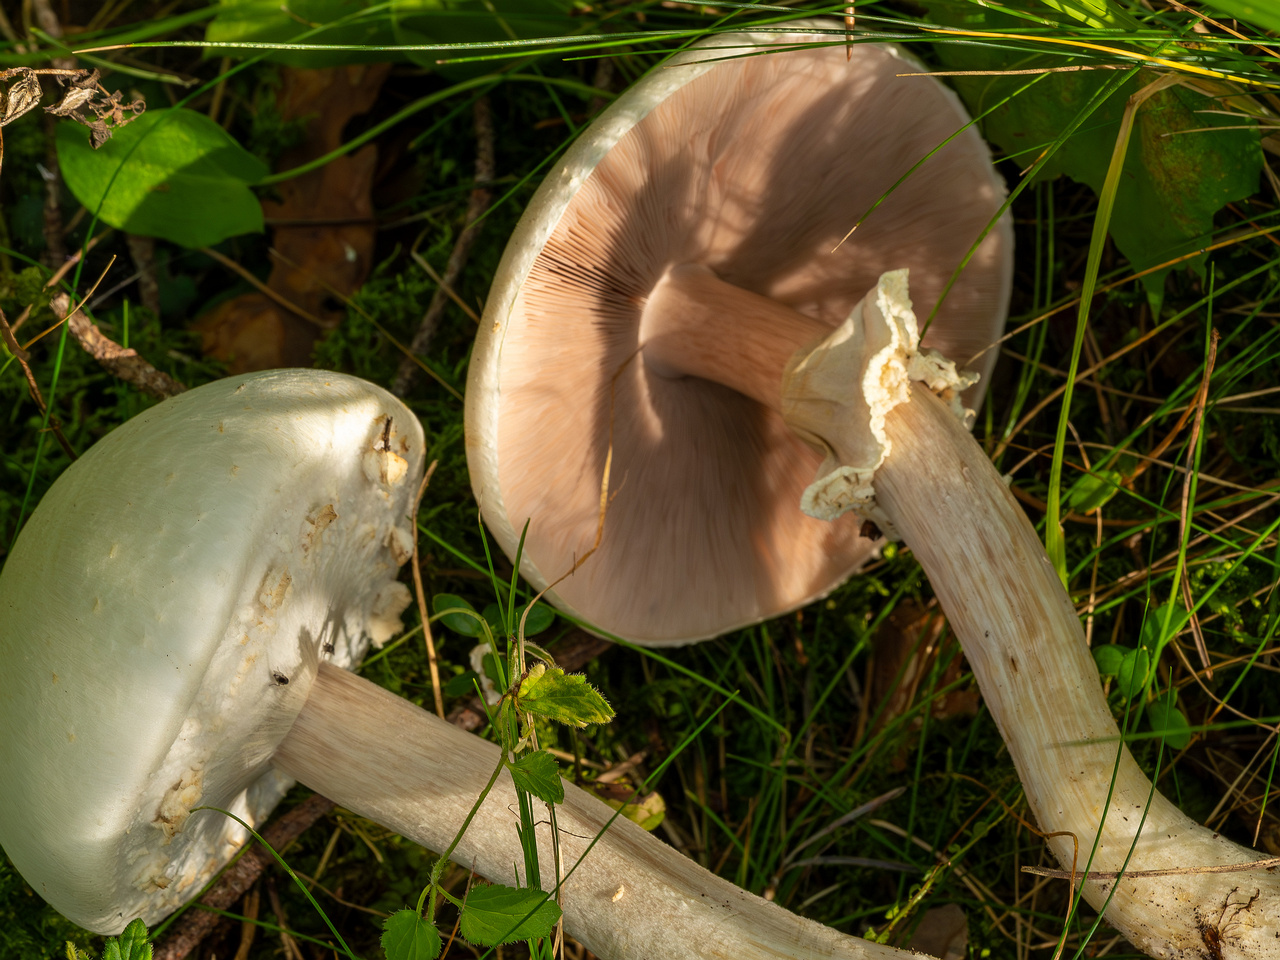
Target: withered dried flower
(86,102)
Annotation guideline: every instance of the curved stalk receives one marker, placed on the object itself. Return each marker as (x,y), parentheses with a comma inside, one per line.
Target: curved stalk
(1023,640)
(629,897)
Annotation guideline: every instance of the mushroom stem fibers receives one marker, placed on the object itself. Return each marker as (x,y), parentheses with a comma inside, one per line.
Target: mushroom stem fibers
(1023,640)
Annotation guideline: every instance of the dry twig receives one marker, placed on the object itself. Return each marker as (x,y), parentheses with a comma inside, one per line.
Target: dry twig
(126,364)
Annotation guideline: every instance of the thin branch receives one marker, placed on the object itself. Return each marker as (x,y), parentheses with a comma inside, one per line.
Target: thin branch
(126,364)
(6,333)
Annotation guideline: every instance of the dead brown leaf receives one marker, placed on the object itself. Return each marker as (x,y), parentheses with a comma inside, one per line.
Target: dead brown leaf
(324,234)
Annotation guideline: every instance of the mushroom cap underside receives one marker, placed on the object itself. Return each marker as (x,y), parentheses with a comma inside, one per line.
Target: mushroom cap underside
(755,167)
(163,613)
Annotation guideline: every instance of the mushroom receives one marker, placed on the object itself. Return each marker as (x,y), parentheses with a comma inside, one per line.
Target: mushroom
(172,623)
(726,369)
(729,181)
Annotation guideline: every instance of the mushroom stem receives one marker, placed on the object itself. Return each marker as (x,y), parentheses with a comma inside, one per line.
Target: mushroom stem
(630,897)
(1023,640)
(937,490)
(697,325)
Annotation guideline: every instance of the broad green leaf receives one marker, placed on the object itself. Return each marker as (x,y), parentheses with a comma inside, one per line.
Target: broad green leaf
(1093,490)
(270,21)
(475,21)
(540,617)
(1262,13)
(187,181)
(132,944)
(648,812)
(539,774)
(1165,718)
(1177,174)
(492,913)
(461,685)
(408,936)
(566,697)
(1161,625)
(1134,669)
(493,615)
(467,624)
(1109,657)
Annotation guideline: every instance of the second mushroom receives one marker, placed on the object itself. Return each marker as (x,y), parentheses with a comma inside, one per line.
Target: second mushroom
(677,307)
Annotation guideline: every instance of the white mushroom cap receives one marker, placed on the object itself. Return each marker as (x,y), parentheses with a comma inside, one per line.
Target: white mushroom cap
(171,582)
(755,168)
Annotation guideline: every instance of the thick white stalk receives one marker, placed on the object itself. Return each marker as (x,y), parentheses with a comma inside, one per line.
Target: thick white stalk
(632,897)
(1025,645)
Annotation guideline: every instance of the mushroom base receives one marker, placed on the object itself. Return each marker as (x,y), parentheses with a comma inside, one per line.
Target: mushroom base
(1023,640)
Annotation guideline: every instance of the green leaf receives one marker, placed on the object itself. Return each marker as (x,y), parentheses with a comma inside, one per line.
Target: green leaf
(461,685)
(408,936)
(467,624)
(492,614)
(132,944)
(273,22)
(1166,719)
(648,812)
(187,181)
(1177,174)
(1093,490)
(1134,670)
(1161,625)
(1109,658)
(475,21)
(1094,13)
(539,774)
(540,617)
(1262,13)
(566,697)
(492,913)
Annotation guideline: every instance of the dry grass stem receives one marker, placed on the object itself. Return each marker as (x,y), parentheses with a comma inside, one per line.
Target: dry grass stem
(428,639)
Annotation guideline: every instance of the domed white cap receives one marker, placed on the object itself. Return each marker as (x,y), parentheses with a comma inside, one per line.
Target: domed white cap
(163,614)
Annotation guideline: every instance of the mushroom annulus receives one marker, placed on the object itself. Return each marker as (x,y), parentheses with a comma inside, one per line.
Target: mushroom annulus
(689,250)
(173,620)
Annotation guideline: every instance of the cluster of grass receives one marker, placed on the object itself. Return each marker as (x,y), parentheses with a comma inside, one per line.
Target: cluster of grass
(805,729)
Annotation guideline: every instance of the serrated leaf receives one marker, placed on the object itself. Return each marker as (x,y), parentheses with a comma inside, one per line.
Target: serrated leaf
(187,181)
(1174,180)
(133,944)
(271,21)
(1109,657)
(1093,490)
(539,774)
(566,697)
(463,623)
(408,936)
(491,915)
(1131,677)
(1166,719)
